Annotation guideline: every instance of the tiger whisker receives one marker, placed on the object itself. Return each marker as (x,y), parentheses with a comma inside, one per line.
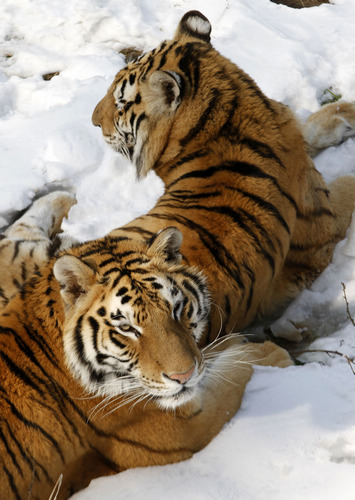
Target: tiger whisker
(105,403)
(150,398)
(139,400)
(221,312)
(106,385)
(126,401)
(111,399)
(218,375)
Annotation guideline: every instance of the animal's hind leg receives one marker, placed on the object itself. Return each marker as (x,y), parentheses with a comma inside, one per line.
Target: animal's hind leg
(29,243)
(323,214)
(311,249)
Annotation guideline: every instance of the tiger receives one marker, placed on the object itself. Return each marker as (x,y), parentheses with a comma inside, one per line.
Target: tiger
(239,182)
(100,368)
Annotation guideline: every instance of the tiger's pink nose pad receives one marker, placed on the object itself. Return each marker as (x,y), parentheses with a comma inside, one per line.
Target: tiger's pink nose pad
(182,378)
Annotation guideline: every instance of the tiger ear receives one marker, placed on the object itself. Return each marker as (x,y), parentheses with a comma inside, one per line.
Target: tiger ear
(166,245)
(75,277)
(194,25)
(163,93)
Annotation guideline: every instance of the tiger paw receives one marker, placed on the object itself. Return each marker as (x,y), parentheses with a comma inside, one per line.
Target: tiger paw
(330,126)
(270,354)
(43,219)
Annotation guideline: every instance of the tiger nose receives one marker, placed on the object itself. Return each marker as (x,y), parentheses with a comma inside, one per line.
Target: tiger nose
(182,378)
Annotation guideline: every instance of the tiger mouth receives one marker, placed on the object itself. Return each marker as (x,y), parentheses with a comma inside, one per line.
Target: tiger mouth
(184,395)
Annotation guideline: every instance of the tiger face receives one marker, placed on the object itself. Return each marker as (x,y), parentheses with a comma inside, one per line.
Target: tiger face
(133,319)
(151,100)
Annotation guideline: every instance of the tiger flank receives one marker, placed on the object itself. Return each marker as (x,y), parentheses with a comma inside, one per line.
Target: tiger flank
(89,384)
(255,214)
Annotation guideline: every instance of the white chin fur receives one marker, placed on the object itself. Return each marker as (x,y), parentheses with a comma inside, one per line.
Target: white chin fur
(179,399)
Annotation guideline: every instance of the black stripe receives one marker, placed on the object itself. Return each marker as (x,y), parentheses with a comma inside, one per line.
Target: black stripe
(116,281)
(252,87)
(141,117)
(34,336)
(241,218)
(10,452)
(108,261)
(113,337)
(188,158)
(217,251)
(12,483)
(133,117)
(28,459)
(95,329)
(237,167)
(2,295)
(122,291)
(22,375)
(266,205)
(23,271)
(262,149)
(36,427)
(189,195)
(319,212)
(137,260)
(200,125)
(42,344)
(16,249)
(123,86)
(187,285)
(79,345)
(125,299)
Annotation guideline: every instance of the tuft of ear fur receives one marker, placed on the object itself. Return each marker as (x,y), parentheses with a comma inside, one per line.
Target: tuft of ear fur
(166,245)
(194,25)
(163,92)
(75,277)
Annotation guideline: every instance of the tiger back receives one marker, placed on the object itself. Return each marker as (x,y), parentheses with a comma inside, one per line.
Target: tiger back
(255,214)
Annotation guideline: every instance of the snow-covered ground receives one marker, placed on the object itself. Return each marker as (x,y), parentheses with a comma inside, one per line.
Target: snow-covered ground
(294,436)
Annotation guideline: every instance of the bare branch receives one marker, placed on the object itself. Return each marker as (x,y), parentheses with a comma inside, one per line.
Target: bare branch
(347,304)
(350,361)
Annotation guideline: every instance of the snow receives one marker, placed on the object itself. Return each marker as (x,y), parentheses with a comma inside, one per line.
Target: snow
(294,436)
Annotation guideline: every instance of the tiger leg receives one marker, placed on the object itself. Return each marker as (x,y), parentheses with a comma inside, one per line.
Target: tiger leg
(323,214)
(311,249)
(31,241)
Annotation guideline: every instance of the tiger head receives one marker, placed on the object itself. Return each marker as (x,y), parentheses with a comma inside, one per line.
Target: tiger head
(155,100)
(133,317)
